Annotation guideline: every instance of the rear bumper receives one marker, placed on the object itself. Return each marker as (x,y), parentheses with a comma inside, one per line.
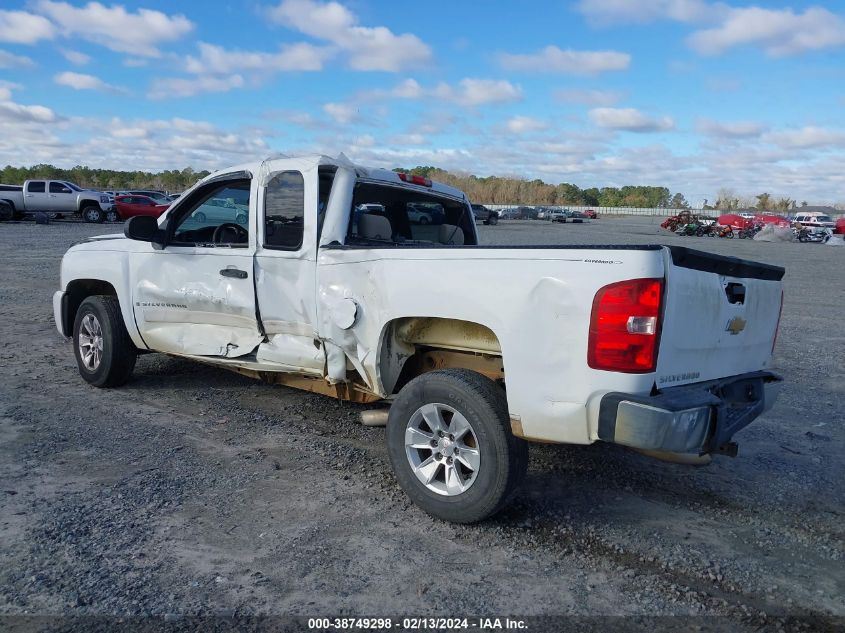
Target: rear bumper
(699,418)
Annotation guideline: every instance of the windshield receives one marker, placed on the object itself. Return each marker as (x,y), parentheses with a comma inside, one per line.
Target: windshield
(823,218)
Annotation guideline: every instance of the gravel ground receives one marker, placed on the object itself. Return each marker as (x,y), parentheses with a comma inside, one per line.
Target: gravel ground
(192,490)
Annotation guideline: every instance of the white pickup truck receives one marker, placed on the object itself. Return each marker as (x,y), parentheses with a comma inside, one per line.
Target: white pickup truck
(54,197)
(314,277)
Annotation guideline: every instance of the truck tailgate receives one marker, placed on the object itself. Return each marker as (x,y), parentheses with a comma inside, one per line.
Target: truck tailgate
(720,316)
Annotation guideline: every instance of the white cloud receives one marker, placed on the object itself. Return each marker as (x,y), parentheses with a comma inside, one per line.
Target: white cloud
(521,124)
(75,57)
(806,138)
(6,88)
(216,60)
(408,89)
(17,113)
(588,97)
(8,60)
(779,32)
(365,48)
(81,81)
(135,62)
(139,33)
(177,87)
(630,120)
(732,129)
(342,113)
(475,92)
(20,27)
(414,138)
(554,60)
(605,12)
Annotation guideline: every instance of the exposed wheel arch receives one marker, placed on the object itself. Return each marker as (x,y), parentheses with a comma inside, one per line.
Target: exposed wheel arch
(76,292)
(411,346)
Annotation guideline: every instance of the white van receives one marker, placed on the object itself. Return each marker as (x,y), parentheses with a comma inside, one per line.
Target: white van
(814,219)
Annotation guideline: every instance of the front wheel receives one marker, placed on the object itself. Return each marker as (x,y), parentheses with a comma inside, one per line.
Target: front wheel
(112,215)
(451,446)
(104,352)
(493,220)
(93,214)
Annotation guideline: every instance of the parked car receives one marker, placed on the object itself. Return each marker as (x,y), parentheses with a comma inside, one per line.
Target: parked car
(840,227)
(55,197)
(664,348)
(590,213)
(485,215)
(558,215)
(526,213)
(577,216)
(425,214)
(129,206)
(158,196)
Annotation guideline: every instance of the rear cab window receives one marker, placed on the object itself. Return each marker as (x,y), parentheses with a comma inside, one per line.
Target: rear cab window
(384,214)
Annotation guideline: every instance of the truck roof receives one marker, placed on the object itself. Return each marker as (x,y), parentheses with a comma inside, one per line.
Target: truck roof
(311,161)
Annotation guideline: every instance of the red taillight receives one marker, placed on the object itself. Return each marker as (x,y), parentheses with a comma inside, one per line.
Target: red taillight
(414,180)
(625,326)
(777,327)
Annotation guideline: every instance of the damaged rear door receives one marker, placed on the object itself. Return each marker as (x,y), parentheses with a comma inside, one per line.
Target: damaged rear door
(196,294)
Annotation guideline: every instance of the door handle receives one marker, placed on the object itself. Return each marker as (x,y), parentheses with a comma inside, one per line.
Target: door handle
(233,272)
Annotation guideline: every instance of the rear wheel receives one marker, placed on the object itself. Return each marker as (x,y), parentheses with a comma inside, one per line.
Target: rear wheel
(493,219)
(93,214)
(112,215)
(451,446)
(199,216)
(104,352)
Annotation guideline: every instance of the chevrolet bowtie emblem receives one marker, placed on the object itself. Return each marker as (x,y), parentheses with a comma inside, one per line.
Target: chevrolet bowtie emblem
(735,325)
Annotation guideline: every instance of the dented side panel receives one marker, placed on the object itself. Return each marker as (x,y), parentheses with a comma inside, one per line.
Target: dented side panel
(184,305)
(541,325)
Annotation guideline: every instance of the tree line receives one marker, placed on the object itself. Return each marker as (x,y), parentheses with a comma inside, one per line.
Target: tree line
(171,180)
(488,189)
(499,190)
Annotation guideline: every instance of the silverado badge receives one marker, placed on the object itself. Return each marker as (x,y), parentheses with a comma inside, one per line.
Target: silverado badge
(735,325)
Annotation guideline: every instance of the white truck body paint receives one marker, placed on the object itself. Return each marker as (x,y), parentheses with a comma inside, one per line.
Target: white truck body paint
(293,313)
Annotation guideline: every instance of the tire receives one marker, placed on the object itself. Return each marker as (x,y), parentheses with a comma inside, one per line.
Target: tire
(199,216)
(424,219)
(454,399)
(242,218)
(7,212)
(93,214)
(114,365)
(112,216)
(493,220)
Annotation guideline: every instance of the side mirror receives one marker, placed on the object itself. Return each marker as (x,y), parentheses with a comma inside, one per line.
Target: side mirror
(143,228)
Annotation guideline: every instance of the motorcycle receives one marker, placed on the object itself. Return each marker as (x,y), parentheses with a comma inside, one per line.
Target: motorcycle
(805,234)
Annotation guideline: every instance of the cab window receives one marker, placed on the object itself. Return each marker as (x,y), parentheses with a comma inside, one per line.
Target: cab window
(59,187)
(217,215)
(284,211)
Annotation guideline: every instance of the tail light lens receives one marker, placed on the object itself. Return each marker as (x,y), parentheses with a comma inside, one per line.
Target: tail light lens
(625,326)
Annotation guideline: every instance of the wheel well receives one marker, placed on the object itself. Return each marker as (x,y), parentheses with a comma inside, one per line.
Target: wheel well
(411,346)
(77,291)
